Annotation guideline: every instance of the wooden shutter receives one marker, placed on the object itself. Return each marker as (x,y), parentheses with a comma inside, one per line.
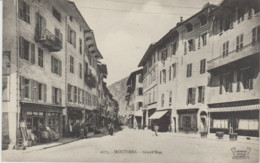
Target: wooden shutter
(60,97)
(74,38)
(32,90)
(37,85)
(22,87)
(193,95)
(20,6)
(170,73)
(27,13)
(21,47)
(174,70)
(237,44)
(79,95)
(203,94)
(193,44)
(241,41)
(69,36)
(199,42)
(53,95)
(254,35)
(238,80)
(258,33)
(188,69)
(188,97)
(32,53)
(44,92)
(185,47)
(60,67)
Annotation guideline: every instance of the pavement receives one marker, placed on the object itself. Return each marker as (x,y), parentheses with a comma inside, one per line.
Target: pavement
(131,145)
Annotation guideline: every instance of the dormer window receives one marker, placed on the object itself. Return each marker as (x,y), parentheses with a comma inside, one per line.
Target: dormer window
(56,14)
(203,20)
(189,27)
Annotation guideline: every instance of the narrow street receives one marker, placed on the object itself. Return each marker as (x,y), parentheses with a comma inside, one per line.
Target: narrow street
(139,146)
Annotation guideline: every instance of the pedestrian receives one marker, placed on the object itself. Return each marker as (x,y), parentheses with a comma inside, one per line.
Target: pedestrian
(71,129)
(156,128)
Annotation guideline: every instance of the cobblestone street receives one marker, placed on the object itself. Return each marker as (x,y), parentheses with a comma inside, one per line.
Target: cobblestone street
(140,146)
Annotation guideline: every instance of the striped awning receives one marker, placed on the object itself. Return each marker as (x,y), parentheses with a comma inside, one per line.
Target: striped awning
(158,114)
(235,108)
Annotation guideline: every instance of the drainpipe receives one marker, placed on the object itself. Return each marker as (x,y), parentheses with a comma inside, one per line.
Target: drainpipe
(66,81)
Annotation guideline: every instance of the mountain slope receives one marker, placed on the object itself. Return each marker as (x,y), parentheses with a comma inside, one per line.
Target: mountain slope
(118,90)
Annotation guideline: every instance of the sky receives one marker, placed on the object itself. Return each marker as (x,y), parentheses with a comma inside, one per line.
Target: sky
(124,29)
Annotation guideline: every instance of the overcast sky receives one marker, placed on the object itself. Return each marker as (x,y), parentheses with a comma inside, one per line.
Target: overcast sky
(124,29)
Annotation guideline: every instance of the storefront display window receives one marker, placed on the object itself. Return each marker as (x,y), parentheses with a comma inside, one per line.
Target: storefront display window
(220,123)
(248,124)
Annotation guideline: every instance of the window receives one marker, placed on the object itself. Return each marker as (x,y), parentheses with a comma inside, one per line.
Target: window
(56,96)
(79,95)
(42,90)
(174,48)
(56,66)
(191,43)
(70,93)
(32,53)
(56,14)
(162,100)
(71,64)
(27,88)
(170,73)
(247,76)
(248,124)
(189,70)
(75,94)
(201,90)
(170,98)
(220,123)
(256,34)
(204,39)
(140,91)
(80,70)
(164,76)
(185,47)
(203,20)
(240,15)
(80,46)
(71,37)
(239,43)
(221,83)
(189,27)
(164,55)
(229,82)
(174,70)
(198,42)
(24,11)
(191,96)
(225,49)
(40,57)
(24,49)
(202,66)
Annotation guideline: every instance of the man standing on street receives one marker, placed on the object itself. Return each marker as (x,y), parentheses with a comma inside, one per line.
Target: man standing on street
(156,128)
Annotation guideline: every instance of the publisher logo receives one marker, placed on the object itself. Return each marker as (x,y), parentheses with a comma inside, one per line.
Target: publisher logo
(241,153)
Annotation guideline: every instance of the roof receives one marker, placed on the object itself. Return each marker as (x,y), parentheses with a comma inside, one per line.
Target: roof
(133,75)
(168,35)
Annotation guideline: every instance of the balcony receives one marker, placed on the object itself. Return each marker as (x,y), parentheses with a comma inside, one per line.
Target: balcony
(49,40)
(90,80)
(234,55)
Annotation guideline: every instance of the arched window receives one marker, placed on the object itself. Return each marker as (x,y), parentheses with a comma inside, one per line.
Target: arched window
(203,20)
(189,27)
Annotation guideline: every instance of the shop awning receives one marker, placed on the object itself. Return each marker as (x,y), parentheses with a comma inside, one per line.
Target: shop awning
(236,108)
(158,114)
(139,113)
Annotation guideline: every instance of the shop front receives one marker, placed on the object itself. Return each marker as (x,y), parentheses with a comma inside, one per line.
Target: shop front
(188,120)
(163,119)
(40,123)
(243,120)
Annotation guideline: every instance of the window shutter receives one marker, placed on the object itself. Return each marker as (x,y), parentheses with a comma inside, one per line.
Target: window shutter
(21,47)
(32,53)
(44,92)
(174,71)
(185,47)
(227,46)
(194,44)
(20,6)
(37,91)
(237,43)
(27,13)
(21,87)
(188,97)
(60,67)
(53,94)
(69,36)
(60,97)
(199,42)
(193,95)
(258,33)
(238,80)
(74,35)
(203,94)
(170,73)
(190,69)
(32,90)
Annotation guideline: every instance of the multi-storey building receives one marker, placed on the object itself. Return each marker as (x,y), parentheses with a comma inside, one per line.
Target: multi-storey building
(192,77)
(135,99)
(234,68)
(50,73)
(150,81)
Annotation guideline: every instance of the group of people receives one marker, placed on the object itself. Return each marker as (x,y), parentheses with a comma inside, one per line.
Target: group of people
(78,130)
